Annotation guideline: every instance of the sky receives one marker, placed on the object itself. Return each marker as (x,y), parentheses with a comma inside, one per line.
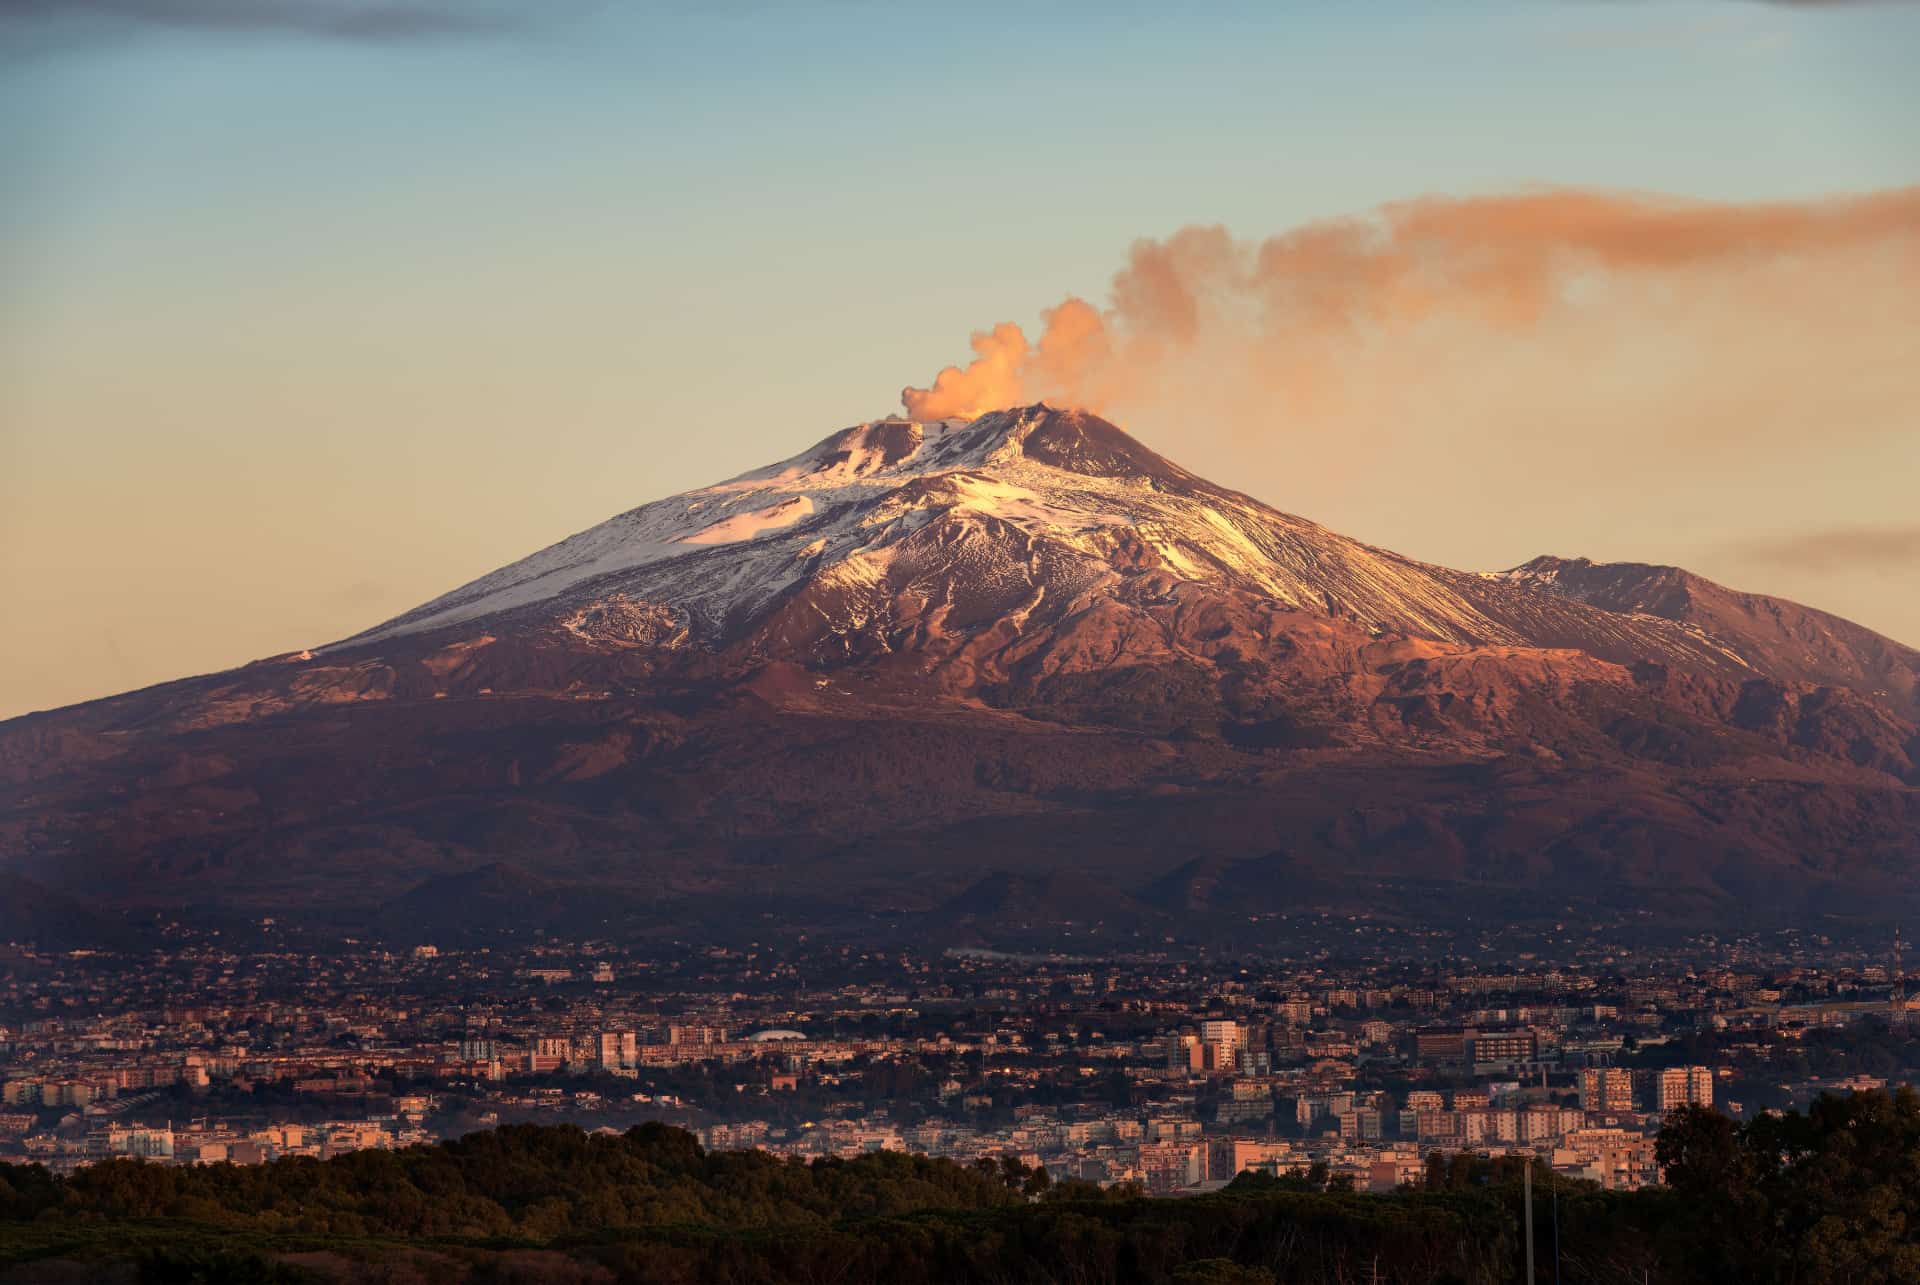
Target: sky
(311,310)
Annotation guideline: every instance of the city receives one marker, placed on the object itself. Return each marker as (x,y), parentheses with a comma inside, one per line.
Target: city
(1171,1074)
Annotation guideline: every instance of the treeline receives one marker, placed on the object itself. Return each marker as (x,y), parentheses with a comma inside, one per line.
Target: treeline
(532,1182)
(1831,1195)
(1822,1198)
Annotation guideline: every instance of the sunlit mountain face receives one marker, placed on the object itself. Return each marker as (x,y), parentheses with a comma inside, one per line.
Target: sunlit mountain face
(997,677)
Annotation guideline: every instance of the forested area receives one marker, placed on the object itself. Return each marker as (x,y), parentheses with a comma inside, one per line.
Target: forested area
(1820,1198)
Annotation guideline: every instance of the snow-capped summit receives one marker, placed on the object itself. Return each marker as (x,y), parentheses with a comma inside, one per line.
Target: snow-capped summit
(893,530)
(722,552)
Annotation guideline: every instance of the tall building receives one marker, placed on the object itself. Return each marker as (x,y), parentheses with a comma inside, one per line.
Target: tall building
(1606,1088)
(1425,1100)
(1442,1127)
(1229,1156)
(1471,1046)
(550,1053)
(1685,1086)
(1502,1047)
(1220,1031)
(1362,1124)
(1440,1044)
(1169,1166)
(1185,1052)
(619,1050)
(1223,1042)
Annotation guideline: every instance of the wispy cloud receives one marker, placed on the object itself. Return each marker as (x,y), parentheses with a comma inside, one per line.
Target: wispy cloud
(1893,547)
(357,20)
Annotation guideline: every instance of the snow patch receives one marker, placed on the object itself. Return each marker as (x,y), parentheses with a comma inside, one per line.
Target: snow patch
(751,524)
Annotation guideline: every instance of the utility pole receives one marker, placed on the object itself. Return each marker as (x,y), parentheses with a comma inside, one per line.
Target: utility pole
(1556,1229)
(1527,1186)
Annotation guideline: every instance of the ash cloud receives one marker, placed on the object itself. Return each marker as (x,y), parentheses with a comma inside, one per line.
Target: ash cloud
(1290,321)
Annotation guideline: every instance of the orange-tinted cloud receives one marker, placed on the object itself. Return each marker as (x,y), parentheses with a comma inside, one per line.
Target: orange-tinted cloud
(1262,320)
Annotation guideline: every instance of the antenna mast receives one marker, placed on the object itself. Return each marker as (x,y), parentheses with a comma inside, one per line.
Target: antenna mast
(1897,993)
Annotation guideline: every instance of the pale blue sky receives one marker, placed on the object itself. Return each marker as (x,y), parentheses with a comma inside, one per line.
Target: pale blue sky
(298,330)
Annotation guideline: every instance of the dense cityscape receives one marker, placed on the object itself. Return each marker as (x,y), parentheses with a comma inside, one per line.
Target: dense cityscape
(1171,1072)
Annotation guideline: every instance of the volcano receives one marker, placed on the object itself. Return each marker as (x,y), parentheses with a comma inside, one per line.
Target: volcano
(1017,673)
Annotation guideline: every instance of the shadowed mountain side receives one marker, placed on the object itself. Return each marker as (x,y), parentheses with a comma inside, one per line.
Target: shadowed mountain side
(31,913)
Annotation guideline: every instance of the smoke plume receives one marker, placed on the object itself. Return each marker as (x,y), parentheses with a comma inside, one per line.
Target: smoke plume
(1299,321)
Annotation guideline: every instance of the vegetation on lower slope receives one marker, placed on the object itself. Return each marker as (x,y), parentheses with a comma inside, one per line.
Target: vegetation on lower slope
(1826,1197)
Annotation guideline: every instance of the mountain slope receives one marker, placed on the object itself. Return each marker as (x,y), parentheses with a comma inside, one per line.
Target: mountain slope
(865,679)
(889,525)
(1775,637)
